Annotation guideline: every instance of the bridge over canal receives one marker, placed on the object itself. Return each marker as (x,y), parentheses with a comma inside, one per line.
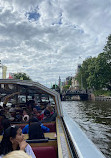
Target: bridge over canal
(75,95)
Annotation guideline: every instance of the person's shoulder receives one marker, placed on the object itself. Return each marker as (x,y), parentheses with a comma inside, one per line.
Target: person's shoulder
(25,129)
(29,151)
(27,126)
(28,148)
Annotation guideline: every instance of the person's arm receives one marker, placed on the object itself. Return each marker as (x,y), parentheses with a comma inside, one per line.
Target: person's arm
(29,151)
(23,145)
(44,128)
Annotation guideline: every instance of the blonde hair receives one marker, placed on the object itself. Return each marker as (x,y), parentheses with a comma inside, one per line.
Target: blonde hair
(17,154)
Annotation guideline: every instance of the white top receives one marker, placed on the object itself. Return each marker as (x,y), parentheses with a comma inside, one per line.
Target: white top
(28,150)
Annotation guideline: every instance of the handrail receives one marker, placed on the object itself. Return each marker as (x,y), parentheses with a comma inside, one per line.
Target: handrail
(84,147)
(37,140)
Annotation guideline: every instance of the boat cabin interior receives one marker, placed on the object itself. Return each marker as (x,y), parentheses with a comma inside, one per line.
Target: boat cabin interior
(31,99)
(19,95)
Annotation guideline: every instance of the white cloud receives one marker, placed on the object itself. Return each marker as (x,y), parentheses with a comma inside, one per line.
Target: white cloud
(50,42)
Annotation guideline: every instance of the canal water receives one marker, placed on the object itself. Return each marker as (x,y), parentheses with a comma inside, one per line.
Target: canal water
(95,120)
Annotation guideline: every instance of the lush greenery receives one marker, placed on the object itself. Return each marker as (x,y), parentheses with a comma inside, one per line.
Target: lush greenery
(22,76)
(102,92)
(95,73)
(55,86)
(66,87)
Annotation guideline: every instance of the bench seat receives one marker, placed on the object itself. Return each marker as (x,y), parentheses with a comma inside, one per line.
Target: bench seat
(50,125)
(45,152)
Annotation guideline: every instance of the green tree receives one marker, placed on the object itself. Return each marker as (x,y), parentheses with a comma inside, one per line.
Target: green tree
(70,82)
(96,72)
(107,50)
(66,87)
(21,75)
(55,86)
(84,73)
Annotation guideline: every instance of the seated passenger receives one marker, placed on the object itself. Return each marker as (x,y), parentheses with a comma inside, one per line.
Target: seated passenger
(50,108)
(25,116)
(12,112)
(35,131)
(37,114)
(25,130)
(2,117)
(7,114)
(36,105)
(13,139)
(48,117)
(5,124)
(30,105)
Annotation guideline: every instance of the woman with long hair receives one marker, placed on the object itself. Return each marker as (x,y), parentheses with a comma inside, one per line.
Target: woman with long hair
(13,139)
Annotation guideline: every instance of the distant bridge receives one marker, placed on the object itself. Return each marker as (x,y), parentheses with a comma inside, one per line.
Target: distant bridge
(75,95)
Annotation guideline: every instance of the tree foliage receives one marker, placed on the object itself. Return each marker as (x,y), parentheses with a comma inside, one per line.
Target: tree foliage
(55,86)
(22,76)
(96,72)
(66,87)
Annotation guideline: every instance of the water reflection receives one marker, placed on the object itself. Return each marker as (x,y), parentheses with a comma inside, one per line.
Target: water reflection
(95,120)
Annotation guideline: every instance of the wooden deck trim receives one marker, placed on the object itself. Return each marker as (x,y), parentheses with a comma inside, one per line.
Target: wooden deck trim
(58,141)
(60,133)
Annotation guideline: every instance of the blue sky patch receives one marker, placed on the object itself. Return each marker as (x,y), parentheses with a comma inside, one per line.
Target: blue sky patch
(33,15)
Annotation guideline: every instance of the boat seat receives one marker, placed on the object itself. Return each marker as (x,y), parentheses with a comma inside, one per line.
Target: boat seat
(50,125)
(45,152)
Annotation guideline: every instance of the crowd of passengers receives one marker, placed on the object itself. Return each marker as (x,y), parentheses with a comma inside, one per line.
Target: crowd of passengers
(13,136)
(44,113)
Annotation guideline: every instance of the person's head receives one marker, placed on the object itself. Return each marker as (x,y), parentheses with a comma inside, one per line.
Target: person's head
(35,110)
(31,102)
(25,118)
(32,120)
(35,131)
(24,112)
(17,154)
(49,107)
(12,111)
(6,123)
(47,113)
(11,138)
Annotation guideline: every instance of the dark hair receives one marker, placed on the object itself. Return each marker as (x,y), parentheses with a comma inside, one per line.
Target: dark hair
(47,113)
(35,131)
(32,120)
(6,144)
(31,102)
(6,123)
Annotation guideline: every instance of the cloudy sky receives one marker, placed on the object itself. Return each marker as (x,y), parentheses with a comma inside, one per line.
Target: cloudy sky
(49,38)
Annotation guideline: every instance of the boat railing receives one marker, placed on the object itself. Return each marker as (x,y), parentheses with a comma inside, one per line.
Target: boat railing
(83,146)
